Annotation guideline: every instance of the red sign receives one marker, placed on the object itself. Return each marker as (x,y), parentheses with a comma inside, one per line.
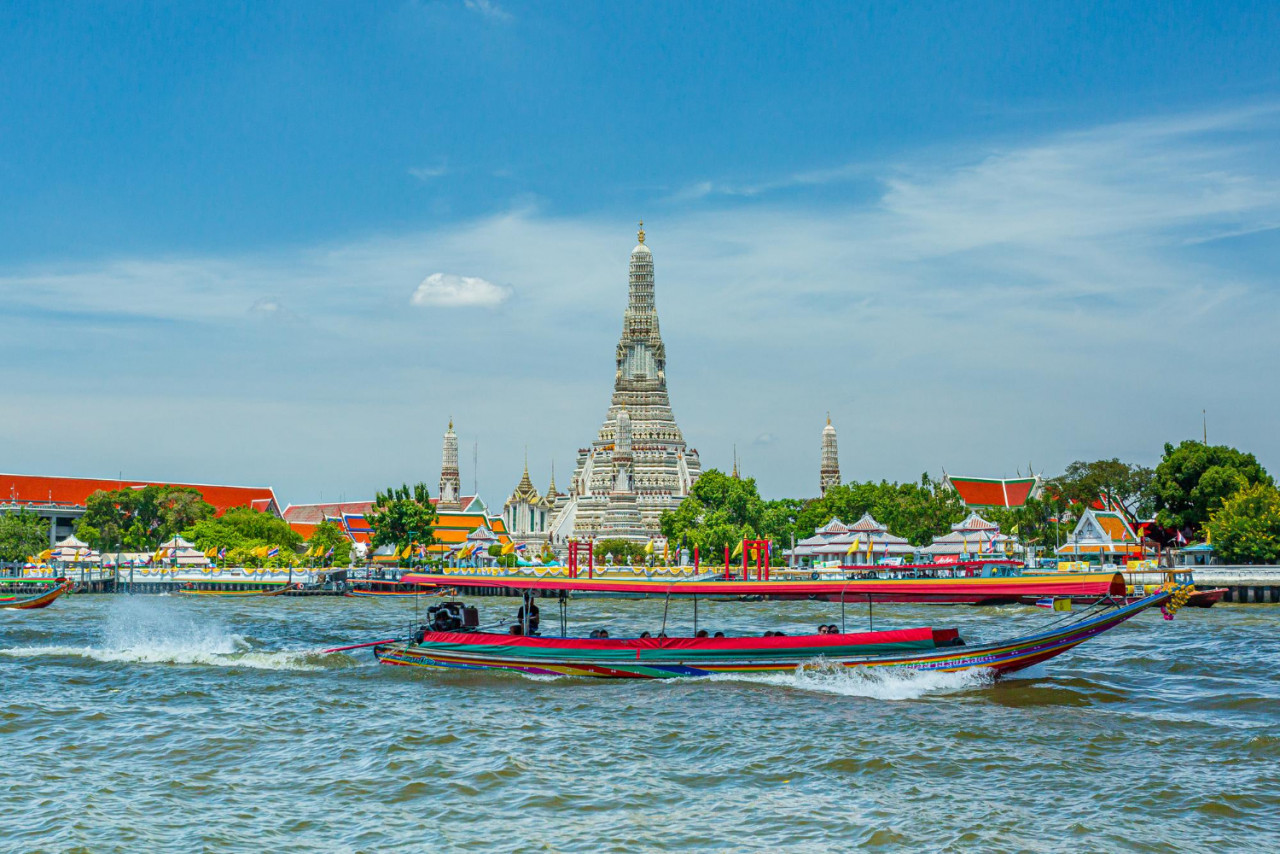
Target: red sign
(947,559)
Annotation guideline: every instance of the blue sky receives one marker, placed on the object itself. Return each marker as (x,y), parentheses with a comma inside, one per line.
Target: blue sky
(283,243)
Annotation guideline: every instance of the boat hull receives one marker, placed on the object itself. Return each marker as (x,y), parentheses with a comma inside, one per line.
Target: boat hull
(30,603)
(694,657)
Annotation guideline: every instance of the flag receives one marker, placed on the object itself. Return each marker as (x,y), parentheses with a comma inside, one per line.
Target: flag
(509,548)
(222,552)
(853,547)
(405,551)
(737,550)
(46,554)
(273,551)
(648,547)
(329,553)
(211,553)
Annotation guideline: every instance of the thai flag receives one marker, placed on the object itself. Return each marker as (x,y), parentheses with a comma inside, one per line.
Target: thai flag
(329,553)
(273,551)
(222,552)
(521,547)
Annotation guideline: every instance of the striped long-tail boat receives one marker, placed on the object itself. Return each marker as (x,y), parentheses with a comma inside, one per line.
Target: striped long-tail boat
(660,658)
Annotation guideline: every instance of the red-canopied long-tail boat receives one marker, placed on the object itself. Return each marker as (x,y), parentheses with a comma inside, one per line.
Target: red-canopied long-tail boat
(454,641)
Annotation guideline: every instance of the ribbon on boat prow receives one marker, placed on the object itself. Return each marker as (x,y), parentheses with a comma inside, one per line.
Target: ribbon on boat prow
(1179,594)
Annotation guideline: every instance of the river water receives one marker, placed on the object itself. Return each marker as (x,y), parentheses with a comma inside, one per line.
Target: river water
(143,723)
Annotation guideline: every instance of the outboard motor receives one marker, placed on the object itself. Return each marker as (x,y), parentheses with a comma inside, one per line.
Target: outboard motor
(452,617)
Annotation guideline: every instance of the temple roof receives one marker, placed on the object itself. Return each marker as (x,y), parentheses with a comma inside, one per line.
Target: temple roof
(835,526)
(973,523)
(525,490)
(38,490)
(868,524)
(994,491)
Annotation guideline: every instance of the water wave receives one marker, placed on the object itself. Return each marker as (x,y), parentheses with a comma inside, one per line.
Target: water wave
(877,683)
(144,632)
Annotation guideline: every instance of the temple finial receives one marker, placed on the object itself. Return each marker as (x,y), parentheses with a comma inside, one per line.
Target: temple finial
(828,418)
(641,235)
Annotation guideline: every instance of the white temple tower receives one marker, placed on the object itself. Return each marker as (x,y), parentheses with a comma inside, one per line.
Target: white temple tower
(654,458)
(829,468)
(450,481)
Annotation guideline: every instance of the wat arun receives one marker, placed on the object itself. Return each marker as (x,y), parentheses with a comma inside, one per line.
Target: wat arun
(639,465)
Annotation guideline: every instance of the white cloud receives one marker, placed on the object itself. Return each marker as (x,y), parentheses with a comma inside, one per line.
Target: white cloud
(444,289)
(489,9)
(428,173)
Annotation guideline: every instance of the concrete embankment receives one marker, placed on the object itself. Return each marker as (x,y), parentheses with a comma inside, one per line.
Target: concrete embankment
(1246,584)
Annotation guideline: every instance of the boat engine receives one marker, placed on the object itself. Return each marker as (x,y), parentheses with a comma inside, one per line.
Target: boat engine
(452,617)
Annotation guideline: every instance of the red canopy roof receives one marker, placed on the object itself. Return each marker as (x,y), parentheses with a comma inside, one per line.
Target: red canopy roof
(993,491)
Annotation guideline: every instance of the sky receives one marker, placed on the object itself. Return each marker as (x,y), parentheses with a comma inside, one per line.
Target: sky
(284,243)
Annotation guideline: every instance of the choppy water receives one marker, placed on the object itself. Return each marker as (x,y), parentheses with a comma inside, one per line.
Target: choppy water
(159,723)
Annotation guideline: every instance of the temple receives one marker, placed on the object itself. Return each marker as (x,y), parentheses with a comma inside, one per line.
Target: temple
(829,467)
(639,464)
(526,513)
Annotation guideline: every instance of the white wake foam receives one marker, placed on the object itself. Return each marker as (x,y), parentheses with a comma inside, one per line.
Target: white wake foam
(877,683)
(149,632)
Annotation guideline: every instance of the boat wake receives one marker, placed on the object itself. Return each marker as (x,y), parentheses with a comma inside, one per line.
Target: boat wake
(146,634)
(876,683)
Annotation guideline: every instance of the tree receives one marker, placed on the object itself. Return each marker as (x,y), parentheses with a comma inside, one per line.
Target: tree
(720,510)
(140,519)
(1246,528)
(327,535)
(917,511)
(241,530)
(624,552)
(1128,486)
(1194,479)
(402,516)
(22,535)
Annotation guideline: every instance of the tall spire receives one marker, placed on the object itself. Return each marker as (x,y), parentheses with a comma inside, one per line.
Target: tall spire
(450,481)
(829,467)
(641,233)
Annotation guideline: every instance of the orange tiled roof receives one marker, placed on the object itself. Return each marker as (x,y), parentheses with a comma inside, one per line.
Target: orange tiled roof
(75,491)
(993,491)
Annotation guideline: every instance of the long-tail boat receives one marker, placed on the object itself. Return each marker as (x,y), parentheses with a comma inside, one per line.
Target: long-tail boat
(281,589)
(454,641)
(976,583)
(380,589)
(38,600)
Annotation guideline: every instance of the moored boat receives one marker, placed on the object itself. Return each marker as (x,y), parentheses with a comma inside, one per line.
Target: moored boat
(38,600)
(276,590)
(386,589)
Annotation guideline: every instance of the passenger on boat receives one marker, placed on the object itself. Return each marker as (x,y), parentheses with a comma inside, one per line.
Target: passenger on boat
(822,630)
(535,617)
(662,634)
(604,633)
(702,633)
(645,634)
(718,635)
(517,629)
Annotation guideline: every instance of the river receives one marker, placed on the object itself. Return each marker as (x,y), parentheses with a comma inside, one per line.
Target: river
(143,723)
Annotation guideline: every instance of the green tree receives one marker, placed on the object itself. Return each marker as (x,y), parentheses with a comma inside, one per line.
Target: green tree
(1194,479)
(720,510)
(1125,485)
(327,535)
(917,511)
(243,529)
(403,515)
(624,552)
(1246,528)
(140,519)
(22,535)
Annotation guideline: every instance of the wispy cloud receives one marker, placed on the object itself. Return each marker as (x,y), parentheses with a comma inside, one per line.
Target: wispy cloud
(489,9)
(450,291)
(428,173)
(1049,300)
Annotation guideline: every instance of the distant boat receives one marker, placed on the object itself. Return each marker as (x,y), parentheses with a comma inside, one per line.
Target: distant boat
(235,594)
(376,589)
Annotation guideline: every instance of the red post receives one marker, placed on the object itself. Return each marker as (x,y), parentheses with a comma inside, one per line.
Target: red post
(726,562)
(591,558)
(745,570)
(695,560)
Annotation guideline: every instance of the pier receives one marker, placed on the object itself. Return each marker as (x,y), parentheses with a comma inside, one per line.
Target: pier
(1244,584)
